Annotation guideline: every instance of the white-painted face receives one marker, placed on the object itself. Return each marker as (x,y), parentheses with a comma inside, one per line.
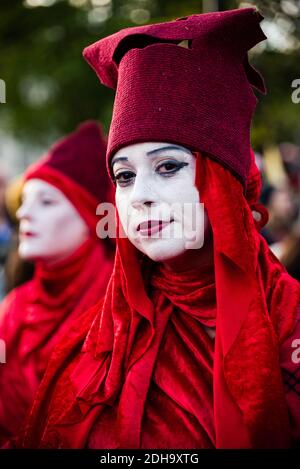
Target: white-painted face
(51,228)
(157,200)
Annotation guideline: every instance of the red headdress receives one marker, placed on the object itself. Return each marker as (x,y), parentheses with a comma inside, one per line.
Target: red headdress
(76,166)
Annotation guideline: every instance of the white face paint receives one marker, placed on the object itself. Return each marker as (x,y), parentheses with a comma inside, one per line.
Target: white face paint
(51,229)
(157,200)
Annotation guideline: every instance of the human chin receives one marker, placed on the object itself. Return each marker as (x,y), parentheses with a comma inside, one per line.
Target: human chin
(31,250)
(161,250)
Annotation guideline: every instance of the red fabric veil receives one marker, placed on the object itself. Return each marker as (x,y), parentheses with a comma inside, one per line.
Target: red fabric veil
(127,347)
(257,302)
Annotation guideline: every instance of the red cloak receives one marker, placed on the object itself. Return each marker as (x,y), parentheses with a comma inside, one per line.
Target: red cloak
(34,316)
(146,374)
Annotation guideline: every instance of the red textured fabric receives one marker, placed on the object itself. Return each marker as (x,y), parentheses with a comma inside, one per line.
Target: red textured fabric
(80,157)
(147,365)
(253,190)
(210,102)
(34,317)
(254,182)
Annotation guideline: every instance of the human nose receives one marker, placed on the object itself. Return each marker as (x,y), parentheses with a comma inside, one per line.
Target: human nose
(24,211)
(143,193)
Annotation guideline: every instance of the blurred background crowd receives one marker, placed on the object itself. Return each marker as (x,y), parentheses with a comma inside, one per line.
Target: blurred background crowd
(50,90)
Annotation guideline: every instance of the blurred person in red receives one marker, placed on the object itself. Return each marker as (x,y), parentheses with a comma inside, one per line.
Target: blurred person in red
(72,265)
(283,202)
(290,249)
(282,214)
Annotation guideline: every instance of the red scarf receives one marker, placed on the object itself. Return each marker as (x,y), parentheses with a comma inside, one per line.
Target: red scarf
(35,316)
(257,302)
(147,366)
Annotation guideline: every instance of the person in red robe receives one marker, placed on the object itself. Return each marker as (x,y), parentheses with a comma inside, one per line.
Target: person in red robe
(192,344)
(72,265)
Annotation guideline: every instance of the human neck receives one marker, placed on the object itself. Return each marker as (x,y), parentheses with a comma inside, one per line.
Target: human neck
(192,258)
(58,262)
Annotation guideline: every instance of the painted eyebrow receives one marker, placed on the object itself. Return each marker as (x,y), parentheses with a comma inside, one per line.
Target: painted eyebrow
(152,152)
(168,147)
(42,193)
(48,192)
(120,158)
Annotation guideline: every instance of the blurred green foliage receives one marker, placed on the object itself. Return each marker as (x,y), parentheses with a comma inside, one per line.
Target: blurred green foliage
(50,88)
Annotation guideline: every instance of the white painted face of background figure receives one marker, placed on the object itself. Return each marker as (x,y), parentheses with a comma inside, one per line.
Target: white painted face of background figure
(51,228)
(157,200)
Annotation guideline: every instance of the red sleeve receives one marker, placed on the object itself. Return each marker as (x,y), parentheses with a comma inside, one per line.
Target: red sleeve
(290,366)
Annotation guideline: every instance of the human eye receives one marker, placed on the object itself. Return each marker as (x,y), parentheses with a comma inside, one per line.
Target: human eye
(47,201)
(124,178)
(170,167)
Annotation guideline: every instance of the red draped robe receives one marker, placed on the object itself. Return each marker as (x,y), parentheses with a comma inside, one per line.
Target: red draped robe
(34,317)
